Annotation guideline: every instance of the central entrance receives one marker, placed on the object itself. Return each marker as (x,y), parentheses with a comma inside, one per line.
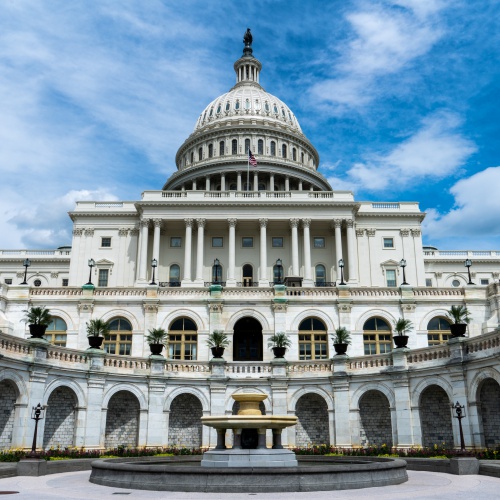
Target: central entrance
(247,340)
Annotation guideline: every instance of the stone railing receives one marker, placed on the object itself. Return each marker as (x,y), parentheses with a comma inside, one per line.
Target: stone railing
(187,367)
(314,368)
(235,369)
(428,354)
(64,291)
(119,292)
(65,355)
(253,292)
(14,345)
(483,342)
(183,292)
(375,292)
(35,253)
(126,362)
(438,292)
(375,361)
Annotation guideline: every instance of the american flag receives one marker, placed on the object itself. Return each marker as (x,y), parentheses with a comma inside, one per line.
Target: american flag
(251,159)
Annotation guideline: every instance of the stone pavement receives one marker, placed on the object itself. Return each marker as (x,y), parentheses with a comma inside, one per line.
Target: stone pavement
(421,486)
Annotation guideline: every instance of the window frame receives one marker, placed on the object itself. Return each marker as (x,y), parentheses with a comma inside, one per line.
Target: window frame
(249,239)
(183,342)
(174,238)
(441,336)
(51,334)
(221,238)
(313,339)
(100,280)
(105,239)
(381,337)
(119,338)
(387,238)
(317,238)
(274,240)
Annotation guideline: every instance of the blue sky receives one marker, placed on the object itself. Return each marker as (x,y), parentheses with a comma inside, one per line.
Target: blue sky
(401,99)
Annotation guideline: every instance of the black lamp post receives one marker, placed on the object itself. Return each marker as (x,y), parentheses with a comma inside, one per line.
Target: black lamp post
(154,264)
(37,413)
(26,264)
(402,264)
(217,272)
(279,269)
(460,411)
(467,264)
(91,265)
(341,265)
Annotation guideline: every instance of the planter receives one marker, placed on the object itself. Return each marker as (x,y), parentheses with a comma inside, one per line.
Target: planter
(458,329)
(279,352)
(156,349)
(217,352)
(95,342)
(340,348)
(37,331)
(400,341)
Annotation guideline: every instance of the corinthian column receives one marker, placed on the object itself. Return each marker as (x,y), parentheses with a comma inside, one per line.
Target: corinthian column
(186,280)
(263,279)
(306,223)
(199,252)
(294,224)
(231,281)
(156,239)
(352,252)
(144,226)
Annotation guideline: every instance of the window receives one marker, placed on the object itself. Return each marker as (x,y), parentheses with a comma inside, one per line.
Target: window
(294,154)
(275,109)
(485,281)
(174,275)
(247,103)
(277,242)
(233,186)
(192,157)
(247,275)
(247,145)
(228,106)
(234,147)
(119,340)
(106,242)
(210,150)
(302,157)
(217,242)
(377,338)
(283,151)
(388,242)
(237,104)
(175,242)
(65,282)
(37,283)
(273,148)
(390,277)
(103,277)
(247,242)
(222,148)
(216,274)
(200,154)
(182,340)
(455,283)
(266,107)
(438,331)
(260,147)
(428,281)
(219,109)
(56,332)
(313,340)
(262,186)
(319,242)
(278,277)
(8,281)
(320,275)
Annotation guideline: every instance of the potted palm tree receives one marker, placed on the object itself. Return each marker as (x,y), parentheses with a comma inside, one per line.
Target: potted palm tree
(217,341)
(38,319)
(460,318)
(341,340)
(97,331)
(279,343)
(402,327)
(157,338)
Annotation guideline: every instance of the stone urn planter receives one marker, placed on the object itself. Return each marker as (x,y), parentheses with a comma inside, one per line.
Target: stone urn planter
(217,352)
(279,352)
(37,331)
(95,342)
(400,341)
(458,329)
(340,349)
(156,349)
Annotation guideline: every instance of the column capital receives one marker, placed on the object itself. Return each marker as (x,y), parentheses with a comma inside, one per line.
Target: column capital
(370,231)
(189,222)
(78,232)
(201,222)
(134,231)
(404,232)
(89,231)
(143,223)
(263,222)
(360,232)
(294,223)
(157,222)
(232,222)
(349,222)
(123,231)
(415,232)
(306,222)
(337,223)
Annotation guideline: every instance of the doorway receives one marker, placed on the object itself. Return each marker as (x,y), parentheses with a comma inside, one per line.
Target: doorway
(247,343)
(247,275)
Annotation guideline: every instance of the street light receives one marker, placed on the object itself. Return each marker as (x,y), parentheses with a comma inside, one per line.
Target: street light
(37,413)
(279,269)
(460,410)
(91,265)
(402,264)
(154,264)
(467,264)
(26,264)
(216,272)
(341,265)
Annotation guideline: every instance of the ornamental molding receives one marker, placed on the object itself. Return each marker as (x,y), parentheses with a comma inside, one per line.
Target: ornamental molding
(495,274)
(306,223)
(201,223)
(294,223)
(85,307)
(150,308)
(215,308)
(143,223)
(78,232)
(232,222)
(157,222)
(438,274)
(345,308)
(189,222)
(134,231)
(123,231)
(337,223)
(404,232)
(263,223)
(409,307)
(415,232)
(19,275)
(54,275)
(371,232)
(360,232)
(89,232)
(349,222)
(279,307)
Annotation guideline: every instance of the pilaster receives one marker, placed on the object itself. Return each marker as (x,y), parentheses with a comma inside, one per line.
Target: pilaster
(341,399)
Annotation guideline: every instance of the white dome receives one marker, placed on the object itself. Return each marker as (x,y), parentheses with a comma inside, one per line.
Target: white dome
(247,100)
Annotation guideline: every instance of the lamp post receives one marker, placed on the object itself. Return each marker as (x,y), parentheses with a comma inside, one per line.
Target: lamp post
(37,413)
(154,264)
(217,272)
(402,264)
(460,411)
(26,264)
(341,265)
(279,269)
(467,264)
(91,265)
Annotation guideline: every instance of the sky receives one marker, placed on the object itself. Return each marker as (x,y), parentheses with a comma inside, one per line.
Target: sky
(401,98)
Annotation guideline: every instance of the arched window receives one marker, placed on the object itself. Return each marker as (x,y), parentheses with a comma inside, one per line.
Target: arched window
(262,186)
(294,154)
(275,109)
(273,148)
(56,332)
(219,109)
(266,107)
(174,275)
(222,148)
(320,275)
(200,154)
(283,151)
(313,339)
(183,339)
(438,331)
(302,157)
(237,104)
(233,186)
(211,113)
(247,275)
(377,338)
(192,157)
(228,106)
(247,145)
(119,340)
(210,150)
(247,103)
(260,147)
(234,147)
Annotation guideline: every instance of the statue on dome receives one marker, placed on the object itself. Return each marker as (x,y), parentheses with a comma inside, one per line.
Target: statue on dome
(247,38)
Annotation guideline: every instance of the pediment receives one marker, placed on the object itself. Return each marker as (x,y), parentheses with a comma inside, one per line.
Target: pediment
(105,262)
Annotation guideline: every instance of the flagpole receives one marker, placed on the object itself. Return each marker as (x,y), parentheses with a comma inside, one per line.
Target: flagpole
(248,169)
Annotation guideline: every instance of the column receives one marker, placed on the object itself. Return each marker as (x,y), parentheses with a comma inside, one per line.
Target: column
(300,186)
(238,182)
(207,184)
(287,183)
(255,180)
(194,185)
(271,182)
(156,239)
(231,280)
(222,182)
(294,223)
(308,281)
(144,225)
(263,281)
(352,254)
(337,224)
(199,252)
(187,252)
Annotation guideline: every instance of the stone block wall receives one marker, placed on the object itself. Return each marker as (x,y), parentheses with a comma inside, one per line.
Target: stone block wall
(122,420)
(490,412)
(60,419)
(184,426)
(375,419)
(8,396)
(312,426)
(435,417)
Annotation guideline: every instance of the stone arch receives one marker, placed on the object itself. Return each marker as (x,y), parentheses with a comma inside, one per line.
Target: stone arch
(477,381)
(308,390)
(268,403)
(375,419)
(60,418)
(416,394)
(435,417)
(60,313)
(205,404)
(312,426)
(9,394)
(184,313)
(143,404)
(81,399)
(18,382)
(243,313)
(435,313)
(463,278)
(489,407)
(381,387)
(325,318)
(37,276)
(122,420)
(379,313)
(122,313)
(184,423)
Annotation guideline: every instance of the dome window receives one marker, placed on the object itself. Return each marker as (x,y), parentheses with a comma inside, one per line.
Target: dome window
(211,113)
(247,145)
(210,150)
(234,147)
(275,109)
(290,116)
(294,154)
(232,187)
(302,157)
(257,105)
(266,106)
(273,148)
(200,154)
(284,151)
(205,116)
(228,106)
(219,109)
(247,104)
(192,157)
(262,186)
(222,148)
(283,112)
(237,104)
(260,147)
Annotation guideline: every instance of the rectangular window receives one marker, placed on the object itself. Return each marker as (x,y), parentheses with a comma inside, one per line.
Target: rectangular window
(118,344)
(106,242)
(8,281)
(103,277)
(65,282)
(217,242)
(182,346)
(390,275)
(319,242)
(388,242)
(313,346)
(377,343)
(428,281)
(247,242)
(175,242)
(277,242)
(485,281)
(56,338)
(437,338)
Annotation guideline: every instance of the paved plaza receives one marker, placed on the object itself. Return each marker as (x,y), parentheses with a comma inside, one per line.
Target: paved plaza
(421,486)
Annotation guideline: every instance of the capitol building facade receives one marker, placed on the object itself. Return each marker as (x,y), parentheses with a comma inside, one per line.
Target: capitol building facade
(251,250)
